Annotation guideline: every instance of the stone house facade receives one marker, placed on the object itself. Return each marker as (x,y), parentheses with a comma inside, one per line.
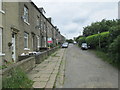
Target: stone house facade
(50,31)
(10,38)
(24,28)
(62,39)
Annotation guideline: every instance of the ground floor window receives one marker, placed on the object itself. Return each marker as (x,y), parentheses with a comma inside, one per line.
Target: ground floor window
(38,42)
(0,40)
(25,40)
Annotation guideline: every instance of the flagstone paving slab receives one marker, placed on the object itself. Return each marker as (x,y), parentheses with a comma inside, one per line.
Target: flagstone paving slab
(44,74)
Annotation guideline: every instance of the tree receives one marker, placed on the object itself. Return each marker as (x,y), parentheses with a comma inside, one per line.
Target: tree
(101,26)
(69,40)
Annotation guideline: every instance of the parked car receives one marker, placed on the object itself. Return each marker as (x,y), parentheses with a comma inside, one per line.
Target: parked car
(74,42)
(65,45)
(84,46)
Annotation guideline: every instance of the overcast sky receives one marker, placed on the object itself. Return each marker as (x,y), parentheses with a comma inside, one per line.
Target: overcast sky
(72,16)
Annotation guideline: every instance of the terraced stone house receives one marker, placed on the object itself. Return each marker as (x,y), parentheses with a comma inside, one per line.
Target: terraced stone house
(23,29)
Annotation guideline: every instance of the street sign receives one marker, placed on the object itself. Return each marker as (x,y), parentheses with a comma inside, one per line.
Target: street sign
(49,40)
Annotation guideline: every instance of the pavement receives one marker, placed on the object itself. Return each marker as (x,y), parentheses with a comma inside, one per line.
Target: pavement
(45,74)
(85,70)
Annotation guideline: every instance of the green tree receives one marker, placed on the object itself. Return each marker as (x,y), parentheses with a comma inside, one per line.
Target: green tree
(114,50)
(69,40)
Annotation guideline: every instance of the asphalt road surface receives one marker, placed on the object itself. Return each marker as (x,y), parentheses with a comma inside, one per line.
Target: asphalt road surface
(85,70)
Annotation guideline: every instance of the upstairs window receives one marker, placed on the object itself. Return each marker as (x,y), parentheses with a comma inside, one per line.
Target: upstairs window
(25,40)
(38,23)
(41,24)
(0,4)
(26,14)
(44,27)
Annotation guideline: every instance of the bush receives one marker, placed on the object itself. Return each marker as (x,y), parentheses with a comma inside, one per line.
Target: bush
(94,40)
(104,41)
(114,32)
(18,79)
(51,45)
(114,50)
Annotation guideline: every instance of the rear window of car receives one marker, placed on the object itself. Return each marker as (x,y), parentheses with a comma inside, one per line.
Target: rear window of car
(84,43)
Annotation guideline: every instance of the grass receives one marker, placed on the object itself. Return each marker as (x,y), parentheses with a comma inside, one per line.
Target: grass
(18,79)
(104,56)
(3,67)
(46,57)
(54,54)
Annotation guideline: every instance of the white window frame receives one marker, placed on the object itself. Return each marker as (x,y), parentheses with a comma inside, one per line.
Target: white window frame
(26,37)
(0,40)
(1,54)
(1,11)
(0,4)
(26,15)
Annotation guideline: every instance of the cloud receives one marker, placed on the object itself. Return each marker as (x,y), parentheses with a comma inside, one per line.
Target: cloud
(72,17)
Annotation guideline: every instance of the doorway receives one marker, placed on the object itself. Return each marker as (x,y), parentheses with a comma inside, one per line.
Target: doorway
(13,47)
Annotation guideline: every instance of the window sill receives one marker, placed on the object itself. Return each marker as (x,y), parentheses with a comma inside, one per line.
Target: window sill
(2,54)
(27,22)
(1,11)
(26,49)
(38,46)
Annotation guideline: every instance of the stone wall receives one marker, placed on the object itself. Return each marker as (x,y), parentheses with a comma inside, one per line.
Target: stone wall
(39,58)
(29,63)
(26,65)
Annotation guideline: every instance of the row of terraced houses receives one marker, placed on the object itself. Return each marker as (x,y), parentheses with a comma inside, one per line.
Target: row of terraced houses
(23,29)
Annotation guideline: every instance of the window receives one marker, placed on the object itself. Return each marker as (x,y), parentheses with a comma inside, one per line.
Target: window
(44,27)
(38,42)
(0,4)
(41,24)
(0,40)
(26,14)
(37,20)
(1,11)
(26,40)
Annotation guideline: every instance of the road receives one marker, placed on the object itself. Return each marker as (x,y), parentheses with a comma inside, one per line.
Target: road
(85,70)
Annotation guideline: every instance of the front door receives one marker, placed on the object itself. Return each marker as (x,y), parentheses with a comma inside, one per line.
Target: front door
(13,48)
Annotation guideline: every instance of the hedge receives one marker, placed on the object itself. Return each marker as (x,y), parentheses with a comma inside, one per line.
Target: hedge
(114,49)
(94,40)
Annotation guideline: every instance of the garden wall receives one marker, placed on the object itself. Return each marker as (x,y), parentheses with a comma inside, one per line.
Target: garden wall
(28,63)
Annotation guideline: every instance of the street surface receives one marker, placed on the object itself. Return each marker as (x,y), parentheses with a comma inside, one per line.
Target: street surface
(85,70)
